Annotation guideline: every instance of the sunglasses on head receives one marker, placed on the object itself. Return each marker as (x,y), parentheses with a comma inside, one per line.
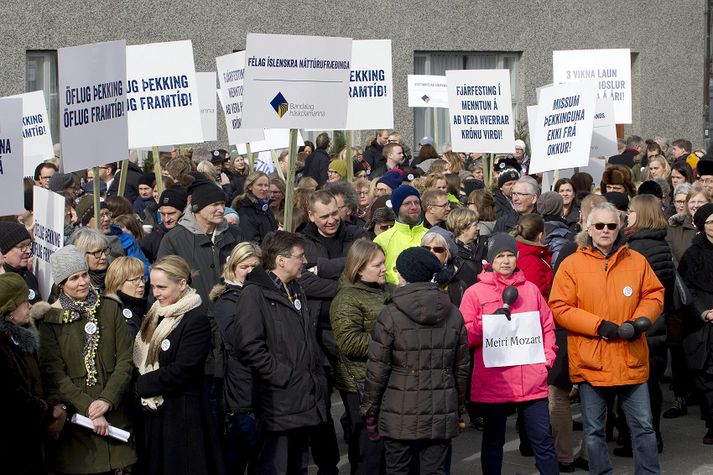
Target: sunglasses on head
(436,249)
(609,226)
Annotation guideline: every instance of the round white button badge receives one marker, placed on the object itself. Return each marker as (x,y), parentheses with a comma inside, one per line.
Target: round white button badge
(628,291)
(298,304)
(127,313)
(166,344)
(90,328)
(31,295)
(388,203)
(264,207)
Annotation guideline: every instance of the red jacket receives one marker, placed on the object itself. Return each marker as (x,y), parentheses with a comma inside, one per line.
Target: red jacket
(508,383)
(535,261)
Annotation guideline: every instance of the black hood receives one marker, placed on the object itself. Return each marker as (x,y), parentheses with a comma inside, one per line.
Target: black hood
(422,302)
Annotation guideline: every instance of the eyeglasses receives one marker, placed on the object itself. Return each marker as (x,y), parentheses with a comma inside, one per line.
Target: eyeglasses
(609,226)
(516,193)
(105,215)
(296,256)
(435,249)
(137,280)
(680,202)
(24,247)
(439,206)
(98,254)
(415,204)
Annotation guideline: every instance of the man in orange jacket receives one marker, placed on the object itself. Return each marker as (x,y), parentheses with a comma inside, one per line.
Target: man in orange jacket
(598,295)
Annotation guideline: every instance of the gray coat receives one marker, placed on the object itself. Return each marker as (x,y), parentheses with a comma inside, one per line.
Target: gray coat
(417,373)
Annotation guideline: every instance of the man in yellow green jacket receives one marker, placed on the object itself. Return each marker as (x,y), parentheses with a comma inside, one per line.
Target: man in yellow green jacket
(406,232)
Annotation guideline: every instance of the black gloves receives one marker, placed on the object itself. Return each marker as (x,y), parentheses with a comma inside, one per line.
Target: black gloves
(503,311)
(608,330)
(631,329)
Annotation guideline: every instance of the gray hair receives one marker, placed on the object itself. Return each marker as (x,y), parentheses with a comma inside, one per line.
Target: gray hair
(604,207)
(534,187)
(682,189)
(346,191)
(86,239)
(432,236)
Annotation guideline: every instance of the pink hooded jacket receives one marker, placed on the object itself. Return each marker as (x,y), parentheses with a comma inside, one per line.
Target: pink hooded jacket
(509,383)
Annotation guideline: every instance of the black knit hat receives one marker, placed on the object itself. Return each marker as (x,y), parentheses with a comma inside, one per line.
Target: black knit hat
(203,193)
(650,187)
(174,196)
(416,264)
(12,234)
(702,215)
(508,175)
(704,167)
(619,200)
(147,179)
(500,242)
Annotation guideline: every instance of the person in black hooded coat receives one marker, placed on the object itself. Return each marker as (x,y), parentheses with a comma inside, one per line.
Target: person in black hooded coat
(253,207)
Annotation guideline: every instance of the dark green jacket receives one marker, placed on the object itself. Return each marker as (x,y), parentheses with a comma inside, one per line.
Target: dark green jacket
(353,315)
(78,449)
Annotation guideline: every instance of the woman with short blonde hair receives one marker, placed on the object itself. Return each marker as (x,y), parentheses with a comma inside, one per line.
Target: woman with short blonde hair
(126,285)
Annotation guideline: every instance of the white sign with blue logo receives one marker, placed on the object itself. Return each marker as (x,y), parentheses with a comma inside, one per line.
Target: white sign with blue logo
(296,82)
(427,91)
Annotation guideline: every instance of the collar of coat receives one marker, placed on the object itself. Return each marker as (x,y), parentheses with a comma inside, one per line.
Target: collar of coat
(26,337)
(188,221)
(259,277)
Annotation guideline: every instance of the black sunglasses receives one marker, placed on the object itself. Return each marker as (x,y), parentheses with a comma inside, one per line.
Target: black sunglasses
(436,249)
(600,226)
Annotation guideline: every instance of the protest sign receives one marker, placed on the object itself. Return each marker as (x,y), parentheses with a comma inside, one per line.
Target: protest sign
(92,83)
(162,95)
(480,111)
(563,129)
(48,234)
(296,82)
(611,68)
(513,342)
(231,72)
(264,162)
(371,99)
(208,101)
(604,129)
(37,145)
(274,139)
(427,91)
(11,156)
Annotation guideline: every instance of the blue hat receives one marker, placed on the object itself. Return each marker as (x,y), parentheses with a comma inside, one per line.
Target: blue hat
(400,194)
(391,179)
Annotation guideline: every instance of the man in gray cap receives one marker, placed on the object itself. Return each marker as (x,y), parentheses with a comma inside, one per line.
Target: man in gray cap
(63,183)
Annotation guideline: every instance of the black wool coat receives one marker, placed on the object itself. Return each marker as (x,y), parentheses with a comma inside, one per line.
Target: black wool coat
(255,223)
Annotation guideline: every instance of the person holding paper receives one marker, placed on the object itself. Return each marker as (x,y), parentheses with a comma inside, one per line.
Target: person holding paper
(170,352)
(30,415)
(497,385)
(596,295)
(85,357)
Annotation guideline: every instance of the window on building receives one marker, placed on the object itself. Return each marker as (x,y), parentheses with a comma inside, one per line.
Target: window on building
(41,75)
(433,122)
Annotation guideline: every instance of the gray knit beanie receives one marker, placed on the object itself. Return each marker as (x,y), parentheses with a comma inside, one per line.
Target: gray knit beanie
(65,262)
(550,204)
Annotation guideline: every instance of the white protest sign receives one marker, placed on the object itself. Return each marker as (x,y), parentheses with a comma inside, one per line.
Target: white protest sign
(513,342)
(563,128)
(231,71)
(427,91)
(264,162)
(611,68)
(11,156)
(274,139)
(49,234)
(480,111)
(371,98)
(163,98)
(604,130)
(37,142)
(296,82)
(208,102)
(92,89)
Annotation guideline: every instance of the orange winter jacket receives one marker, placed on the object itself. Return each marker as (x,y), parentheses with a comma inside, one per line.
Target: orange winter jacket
(589,288)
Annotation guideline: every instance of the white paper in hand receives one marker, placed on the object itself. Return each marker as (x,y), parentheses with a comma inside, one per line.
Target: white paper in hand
(114,432)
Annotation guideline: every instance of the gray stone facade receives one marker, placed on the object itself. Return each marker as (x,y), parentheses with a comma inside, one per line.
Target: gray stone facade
(667,39)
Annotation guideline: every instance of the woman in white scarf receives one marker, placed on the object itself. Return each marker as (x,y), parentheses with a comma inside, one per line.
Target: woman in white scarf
(170,352)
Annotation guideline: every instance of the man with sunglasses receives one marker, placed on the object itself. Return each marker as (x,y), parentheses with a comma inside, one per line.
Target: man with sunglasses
(597,294)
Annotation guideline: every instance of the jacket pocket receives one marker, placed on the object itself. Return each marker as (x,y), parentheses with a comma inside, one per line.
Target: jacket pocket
(590,352)
(637,353)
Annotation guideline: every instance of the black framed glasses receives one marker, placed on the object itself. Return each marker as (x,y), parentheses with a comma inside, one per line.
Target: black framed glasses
(98,254)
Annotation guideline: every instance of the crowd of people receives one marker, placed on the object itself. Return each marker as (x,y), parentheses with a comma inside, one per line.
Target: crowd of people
(217,334)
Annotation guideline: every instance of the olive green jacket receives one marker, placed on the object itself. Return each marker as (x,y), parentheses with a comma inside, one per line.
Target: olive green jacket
(353,315)
(78,449)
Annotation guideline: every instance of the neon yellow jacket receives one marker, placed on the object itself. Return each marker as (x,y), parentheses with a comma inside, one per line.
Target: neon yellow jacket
(401,236)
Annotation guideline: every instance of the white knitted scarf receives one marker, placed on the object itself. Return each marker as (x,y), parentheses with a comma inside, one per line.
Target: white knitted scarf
(146,352)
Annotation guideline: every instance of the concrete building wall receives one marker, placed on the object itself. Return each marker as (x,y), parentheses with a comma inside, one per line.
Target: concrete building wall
(667,39)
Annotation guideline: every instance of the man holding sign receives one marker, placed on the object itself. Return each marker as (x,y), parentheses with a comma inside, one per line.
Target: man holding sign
(513,333)
(600,295)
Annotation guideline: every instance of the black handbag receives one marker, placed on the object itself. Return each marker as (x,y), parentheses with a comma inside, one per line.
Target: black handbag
(681,294)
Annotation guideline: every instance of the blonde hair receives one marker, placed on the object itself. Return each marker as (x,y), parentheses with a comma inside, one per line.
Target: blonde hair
(208,169)
(460,219)
(649,214)
(359,255)
(663,162)
(120,270)
(307,183)
(251,179)
(175,267)
(244,250)
(696,189)
(455,164)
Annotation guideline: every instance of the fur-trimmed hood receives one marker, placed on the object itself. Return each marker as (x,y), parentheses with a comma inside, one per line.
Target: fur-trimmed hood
(26,337)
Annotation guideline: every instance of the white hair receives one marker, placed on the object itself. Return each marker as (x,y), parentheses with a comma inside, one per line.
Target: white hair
(604,207)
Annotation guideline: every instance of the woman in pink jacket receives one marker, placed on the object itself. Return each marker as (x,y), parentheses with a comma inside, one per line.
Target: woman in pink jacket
(524,386)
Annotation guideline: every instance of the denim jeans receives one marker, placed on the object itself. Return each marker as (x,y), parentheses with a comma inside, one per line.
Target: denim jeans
(635,403)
